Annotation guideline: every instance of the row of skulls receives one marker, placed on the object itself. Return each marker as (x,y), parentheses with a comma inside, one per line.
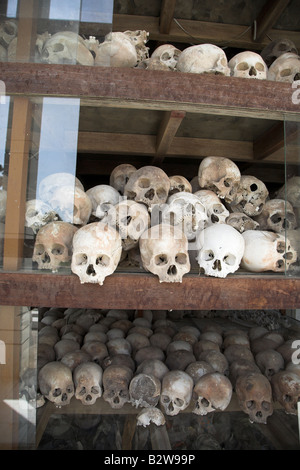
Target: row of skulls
(279,61)
(165,225)
(163,366)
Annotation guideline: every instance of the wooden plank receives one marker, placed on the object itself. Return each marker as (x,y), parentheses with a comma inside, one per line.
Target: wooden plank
(26,30)
(128,432)
(125,87)
(275,139)
(268,16)
(145,292)
(167,131)
(166,16)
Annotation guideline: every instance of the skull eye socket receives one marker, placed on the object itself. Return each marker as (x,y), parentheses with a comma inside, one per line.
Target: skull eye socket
(178,402)
(287,398)
(285,73)
(82,391)
(161,259)
(218,209)
(242,66)
(95,390)
(227,183)
(102,260)
(123,394)
(32,213)
(280,247)
(250,404)
(161,193)
(181,258)
(39,250)
(144,183)
(58,47)
(81,259)
(58,250)
(259,66)
(204,402)
(229,259)
(165,399)
(208,255)
(275,218)
(56,392)
(265,405)
(165,56)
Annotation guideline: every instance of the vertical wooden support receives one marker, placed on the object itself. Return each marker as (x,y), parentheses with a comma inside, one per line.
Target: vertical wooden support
(166,16)
(26,30)
(167,131)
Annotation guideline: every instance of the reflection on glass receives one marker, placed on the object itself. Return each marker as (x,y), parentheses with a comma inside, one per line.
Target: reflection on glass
(64,10)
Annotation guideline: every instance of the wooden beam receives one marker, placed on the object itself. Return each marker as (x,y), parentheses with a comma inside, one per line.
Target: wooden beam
(166,16)
(267,18)
(167,131)
(274,139)
(27,25)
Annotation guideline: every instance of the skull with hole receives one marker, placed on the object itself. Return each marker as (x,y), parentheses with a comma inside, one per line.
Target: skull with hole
(185,211)
(216,211)
(203,58)
(276,48)
(221,175)
(66,47)
(252,195)
(37,214)
(164,252)
(131,219)
(248,64)
(267,251)
(220,249)
(286,390)
(212,392)
(285,69)
(167,55)
(97,251)
(241,222)
(270,362)
(88,382)
(179,184)
(277,215)
(176,392)
(56,383)
(120,175)
(139,39)
(144,390)
(116,381)
(149,185)
(117,50)
(254,393)
(53,245)
(103,197)
(72,204)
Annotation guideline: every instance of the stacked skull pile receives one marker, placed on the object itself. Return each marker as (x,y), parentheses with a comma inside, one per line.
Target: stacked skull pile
(164,367)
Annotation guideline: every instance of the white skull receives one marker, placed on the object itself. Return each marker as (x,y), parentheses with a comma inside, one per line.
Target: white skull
(131,219)
(97,251)
(56,383)
(267,251)
(285,69)
(88,382)
(53,245)
(241,222)
(277,215)
(251,196)
(139,39)
(276,48)
(254,395)
(248,64)
(144,390)
(212,392)
(185,211)
(167,55)
(149,185)
(176,392)
(221,175)
(120,175)
(116,380)
(150,415)
(220,249)
(291,191)
(66,47)
(117,50)
(164,252)
(286,390)
(72,205)
(38,213)
(179,184)
(51,183)
(203,58)
(216,211)
(8,31)
(103,197)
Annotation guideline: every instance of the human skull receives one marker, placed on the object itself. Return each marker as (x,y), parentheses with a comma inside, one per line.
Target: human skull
(116,381)
(248,64)
(53,245)
(96,350)
(291,191)
(185,211)
(120,175)
(103,197)
(88,382)
(56,383)
(117,50)
(167,55)
(270,362)
(164,252)
(216,211)
(203,58)
(72,359)
(150,415)
(72,204)
(221,175)
(220,249)
(37,214)
(240,367)
(131,219)
(139,39)
(277,215)
(267,251)
(8,31)
(97,251)
(254,395)
(54,181)
(251,196)
(286,390)
(241,222)
(179,184)
(144,390)
(176,392)
(276,48)
(285,69)
(212,392)
(149,185)
(66,47)
(63,346)
(197,369)
(179,359)
(119,346)
(154,367)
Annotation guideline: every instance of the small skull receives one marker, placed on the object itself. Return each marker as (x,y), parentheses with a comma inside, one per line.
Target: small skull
(120,175)
(212,392)
(116,380)
(251,196)
(276,48)
(167,55)
(203,58)
(179,184)
(88,382)
(254,395)
(285,69)
(38,213)
(270,362)
(286,390)
(8,31)
(277,215)
(103,197)
(176,392)
(56,383)
(220,175)
(216,211)
(248,64)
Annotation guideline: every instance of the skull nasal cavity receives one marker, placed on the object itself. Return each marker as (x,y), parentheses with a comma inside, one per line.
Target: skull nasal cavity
(90,270)
(150,194)
(172,270)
